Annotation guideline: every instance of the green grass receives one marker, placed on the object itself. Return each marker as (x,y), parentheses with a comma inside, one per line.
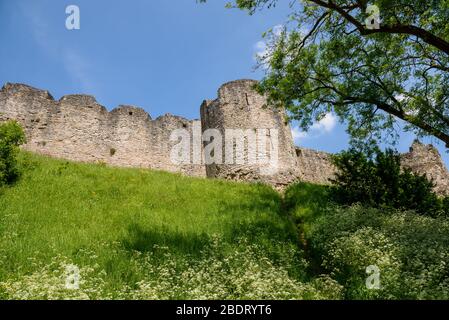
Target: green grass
(305,202)
(142,234)
(66,206)
(79,211)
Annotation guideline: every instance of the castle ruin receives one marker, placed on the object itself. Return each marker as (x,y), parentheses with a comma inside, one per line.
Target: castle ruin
(77,128)
(239,107)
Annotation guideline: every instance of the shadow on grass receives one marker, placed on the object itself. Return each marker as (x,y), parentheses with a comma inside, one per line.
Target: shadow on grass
(307,201)
(257,216)
(268,226)
(145,240)
(262,216)
(254,216)
(260,200)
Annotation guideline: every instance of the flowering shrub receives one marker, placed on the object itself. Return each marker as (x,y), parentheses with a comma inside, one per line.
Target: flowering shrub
(246,274)
(49,282)
(218,273)
(411,252)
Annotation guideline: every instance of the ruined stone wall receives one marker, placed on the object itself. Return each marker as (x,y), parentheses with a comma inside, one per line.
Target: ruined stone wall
(239,107)
(425,159)
(78,128)
(315,166)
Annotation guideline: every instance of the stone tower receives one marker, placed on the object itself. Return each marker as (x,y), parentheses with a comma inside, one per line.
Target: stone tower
(267,147)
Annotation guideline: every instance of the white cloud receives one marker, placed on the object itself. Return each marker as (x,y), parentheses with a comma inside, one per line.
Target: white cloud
(261,48)
(324,126)
(298,134)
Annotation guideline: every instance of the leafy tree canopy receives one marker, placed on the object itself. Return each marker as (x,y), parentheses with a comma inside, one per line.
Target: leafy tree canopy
(332,57)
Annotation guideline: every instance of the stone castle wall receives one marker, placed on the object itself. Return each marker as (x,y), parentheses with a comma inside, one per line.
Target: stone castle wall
(238,106)
(316,167)
(425,159)
(77,128)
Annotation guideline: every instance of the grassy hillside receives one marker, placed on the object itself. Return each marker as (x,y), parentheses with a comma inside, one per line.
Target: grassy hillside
(141,234)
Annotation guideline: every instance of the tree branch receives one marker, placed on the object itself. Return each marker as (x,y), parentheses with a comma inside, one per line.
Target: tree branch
(423,34)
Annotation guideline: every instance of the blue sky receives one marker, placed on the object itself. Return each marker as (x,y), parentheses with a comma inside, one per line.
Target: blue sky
(164,56)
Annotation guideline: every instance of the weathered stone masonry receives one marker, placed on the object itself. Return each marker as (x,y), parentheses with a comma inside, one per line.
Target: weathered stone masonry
(78,128)
(316,166)
(239,107)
